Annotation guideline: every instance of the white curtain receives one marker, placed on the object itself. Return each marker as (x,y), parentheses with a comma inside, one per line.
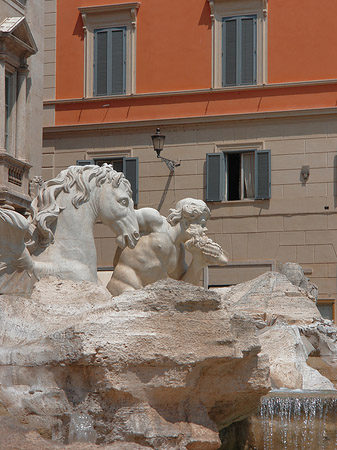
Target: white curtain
(248,163)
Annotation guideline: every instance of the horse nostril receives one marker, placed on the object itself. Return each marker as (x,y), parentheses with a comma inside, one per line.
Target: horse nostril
(136,235)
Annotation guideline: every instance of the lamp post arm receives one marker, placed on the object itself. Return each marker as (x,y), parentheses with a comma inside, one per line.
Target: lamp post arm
(170,163)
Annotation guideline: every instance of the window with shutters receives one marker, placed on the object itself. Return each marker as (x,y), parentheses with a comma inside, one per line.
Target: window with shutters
(127,165)
(238,50)
(236,175)
(109,49)
(110,61)
(239,42)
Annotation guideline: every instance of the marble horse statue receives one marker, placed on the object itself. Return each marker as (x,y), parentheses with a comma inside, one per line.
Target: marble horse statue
(57,239)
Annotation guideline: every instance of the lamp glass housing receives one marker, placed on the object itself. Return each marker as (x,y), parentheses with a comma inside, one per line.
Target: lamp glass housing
(158,140)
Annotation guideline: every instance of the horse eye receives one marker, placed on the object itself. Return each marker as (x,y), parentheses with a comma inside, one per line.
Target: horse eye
(124,201)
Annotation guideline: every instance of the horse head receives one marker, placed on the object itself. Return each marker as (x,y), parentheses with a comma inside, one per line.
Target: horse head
(115,209)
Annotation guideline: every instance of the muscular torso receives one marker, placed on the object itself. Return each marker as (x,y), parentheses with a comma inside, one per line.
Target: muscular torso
(154,258)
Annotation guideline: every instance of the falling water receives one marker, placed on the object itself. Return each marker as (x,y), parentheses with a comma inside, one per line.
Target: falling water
(298,420)
(81,428)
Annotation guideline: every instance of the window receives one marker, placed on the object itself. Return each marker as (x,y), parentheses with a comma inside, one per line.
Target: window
(110,61)
(238,175)
(109,49)
(327,309)
(239,44)
(9,101)
(238,50)
(129,166)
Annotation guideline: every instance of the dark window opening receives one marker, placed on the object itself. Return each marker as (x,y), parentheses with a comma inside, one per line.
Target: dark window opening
(233,176)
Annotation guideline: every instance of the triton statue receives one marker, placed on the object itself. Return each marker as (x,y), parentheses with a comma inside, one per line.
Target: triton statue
(160,252)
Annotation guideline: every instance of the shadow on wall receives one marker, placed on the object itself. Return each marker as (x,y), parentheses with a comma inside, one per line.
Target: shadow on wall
(335,181)
(205,16)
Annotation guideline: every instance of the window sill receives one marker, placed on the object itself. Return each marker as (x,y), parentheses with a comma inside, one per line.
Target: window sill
(245,201)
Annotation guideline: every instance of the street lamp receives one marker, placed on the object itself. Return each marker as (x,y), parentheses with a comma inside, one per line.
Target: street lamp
(158,140)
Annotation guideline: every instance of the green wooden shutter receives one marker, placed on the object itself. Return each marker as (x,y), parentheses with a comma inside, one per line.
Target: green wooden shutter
(229,51)
(248,50)
(215,177)
(110,61)
(101,62)
(262,174)
(130,170)
(116,61)
(85,162)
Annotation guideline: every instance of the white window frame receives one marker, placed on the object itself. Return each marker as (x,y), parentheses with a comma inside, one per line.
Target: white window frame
(230,8)
(110,16)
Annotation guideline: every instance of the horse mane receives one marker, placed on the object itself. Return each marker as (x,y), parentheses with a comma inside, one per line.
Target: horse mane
(45,209)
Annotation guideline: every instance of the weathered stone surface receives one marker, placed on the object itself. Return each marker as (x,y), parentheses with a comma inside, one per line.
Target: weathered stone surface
(161,368)
(271,296)
(290,329)
(288,356)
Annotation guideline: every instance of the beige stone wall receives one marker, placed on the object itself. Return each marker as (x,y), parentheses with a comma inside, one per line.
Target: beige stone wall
(31,127)
(49,79)
(35,19)
(299,222)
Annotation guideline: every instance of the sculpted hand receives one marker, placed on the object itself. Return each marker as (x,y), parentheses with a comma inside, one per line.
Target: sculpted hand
(203,247)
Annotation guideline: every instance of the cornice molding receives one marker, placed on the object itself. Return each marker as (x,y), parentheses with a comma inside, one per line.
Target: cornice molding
(213,2)
(48,132)
(132,7)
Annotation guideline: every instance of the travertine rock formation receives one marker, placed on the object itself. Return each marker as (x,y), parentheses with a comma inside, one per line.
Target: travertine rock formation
(161,368)
(290,330)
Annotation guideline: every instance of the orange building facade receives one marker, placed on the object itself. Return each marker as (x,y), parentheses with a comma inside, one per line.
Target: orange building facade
(245,92)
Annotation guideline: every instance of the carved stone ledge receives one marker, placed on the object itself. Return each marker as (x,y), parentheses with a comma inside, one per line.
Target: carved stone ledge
(14,184)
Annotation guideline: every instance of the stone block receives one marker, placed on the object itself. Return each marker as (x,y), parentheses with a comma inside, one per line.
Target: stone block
(240,247)
(50,44)
(270,223)
(62,159)
(49,81)
(286,253)
(239,225)
(305,254)
(298,128)
(324,254)
(321,237)
(50,31)
(321,175)
(286,147)
(214,225)
(319,270)
(263,245)
(276,191)
(47,160)
(286,176)
(321,145)
(292,238)
(49,116)
(144,170)
(332,270)
(143,199)
(49,68)
(325,285)
(189,181)
(47,173)
(306,222)
(294,191)
(316,190)
(50,18)
(332,221)
(285,162)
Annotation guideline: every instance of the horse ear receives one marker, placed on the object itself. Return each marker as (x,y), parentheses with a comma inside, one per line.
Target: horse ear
(118,178)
